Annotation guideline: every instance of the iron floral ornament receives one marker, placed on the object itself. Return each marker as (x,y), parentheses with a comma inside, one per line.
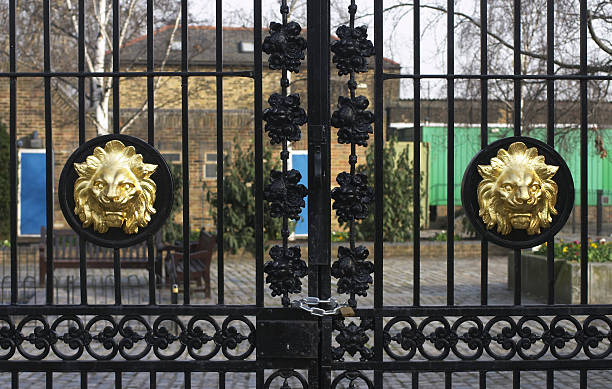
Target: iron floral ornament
(285,46)
(114,189)
(517,192)
(284,118)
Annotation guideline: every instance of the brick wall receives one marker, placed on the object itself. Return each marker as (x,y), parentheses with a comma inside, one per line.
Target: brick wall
(237,122)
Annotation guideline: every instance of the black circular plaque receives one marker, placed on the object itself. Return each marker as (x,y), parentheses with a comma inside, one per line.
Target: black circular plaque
(517,238)
(116,237)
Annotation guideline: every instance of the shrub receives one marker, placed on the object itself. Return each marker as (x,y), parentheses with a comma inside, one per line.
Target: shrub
(397,190)
(172,230)
(5,209)
(239,199)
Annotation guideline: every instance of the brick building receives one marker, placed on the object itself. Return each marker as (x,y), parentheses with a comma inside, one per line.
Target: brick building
(237,102)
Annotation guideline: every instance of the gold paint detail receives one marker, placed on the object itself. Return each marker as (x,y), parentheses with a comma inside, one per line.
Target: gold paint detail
(517,190)
(114,189)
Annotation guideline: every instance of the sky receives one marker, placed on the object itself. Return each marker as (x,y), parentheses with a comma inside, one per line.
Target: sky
(398,32)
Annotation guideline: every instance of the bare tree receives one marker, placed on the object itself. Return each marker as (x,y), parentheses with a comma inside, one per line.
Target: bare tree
(98,46)
(533,52)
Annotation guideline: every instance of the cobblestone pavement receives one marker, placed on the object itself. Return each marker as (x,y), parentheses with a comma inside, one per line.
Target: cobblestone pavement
(240,289)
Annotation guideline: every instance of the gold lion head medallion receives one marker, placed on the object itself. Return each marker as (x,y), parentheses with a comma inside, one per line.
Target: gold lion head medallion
(114,189)
(517,191)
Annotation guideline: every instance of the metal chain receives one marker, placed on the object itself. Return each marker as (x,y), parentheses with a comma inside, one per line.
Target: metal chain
(309,305)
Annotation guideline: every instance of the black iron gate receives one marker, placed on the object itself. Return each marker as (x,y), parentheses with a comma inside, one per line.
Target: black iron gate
(327,339)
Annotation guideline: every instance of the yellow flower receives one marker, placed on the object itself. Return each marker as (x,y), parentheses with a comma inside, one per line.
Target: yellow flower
(565,249)
(593,245)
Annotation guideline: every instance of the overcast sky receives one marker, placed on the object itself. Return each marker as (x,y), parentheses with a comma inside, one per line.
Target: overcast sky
(398,31)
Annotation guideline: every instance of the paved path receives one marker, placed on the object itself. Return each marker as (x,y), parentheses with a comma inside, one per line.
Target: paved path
(240,289)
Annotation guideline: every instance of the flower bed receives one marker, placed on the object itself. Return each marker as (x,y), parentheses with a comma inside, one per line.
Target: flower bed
(600,251)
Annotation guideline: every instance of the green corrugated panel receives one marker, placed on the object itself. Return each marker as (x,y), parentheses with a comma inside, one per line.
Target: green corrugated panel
(467,144)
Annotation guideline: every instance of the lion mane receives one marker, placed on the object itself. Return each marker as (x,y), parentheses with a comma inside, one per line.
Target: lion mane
(139,208)
(492,206)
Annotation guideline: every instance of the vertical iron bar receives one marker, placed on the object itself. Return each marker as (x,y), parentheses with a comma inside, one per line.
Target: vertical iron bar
(416,183)
(450,156)
(583,379)
(221,380)
(584,199)
(258,106)
(378,155)
(516,379)
(81,86)
(319,212)
(49,380)
(116,130)
(48,150)
(185,144)
(118,380)
(151,141)
(152,380)
(319,206)
(13,154)
(117,276)
(484,140)
(220,199)
(550,139)
(482,380)
(116,67)
(84,380)
(517,132)
(415,380)
(187,380)
(14,374)
(448,380)
(550,379)
(378,379)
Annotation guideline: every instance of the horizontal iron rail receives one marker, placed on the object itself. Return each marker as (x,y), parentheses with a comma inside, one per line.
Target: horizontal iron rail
(252,366)
(129,366)
(600,77)
(486,310)
(250,310)
(462,366)
(242,73)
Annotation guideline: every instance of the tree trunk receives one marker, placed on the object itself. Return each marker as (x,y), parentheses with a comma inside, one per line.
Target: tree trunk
(100,96)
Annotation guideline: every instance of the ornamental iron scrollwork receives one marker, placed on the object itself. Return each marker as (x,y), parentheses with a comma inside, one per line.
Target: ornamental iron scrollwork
(500,337)
(352,378)
(286,375)
(353,195)
(132,337)
(283,118)
(353,339)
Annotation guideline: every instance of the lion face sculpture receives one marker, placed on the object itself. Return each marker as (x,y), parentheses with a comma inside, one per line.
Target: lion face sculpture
(114,189)
(517,191)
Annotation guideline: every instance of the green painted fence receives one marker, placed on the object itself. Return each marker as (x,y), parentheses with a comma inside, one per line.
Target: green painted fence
(467,144)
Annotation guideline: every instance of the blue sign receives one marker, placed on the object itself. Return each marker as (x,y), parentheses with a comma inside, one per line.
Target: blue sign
(32,189)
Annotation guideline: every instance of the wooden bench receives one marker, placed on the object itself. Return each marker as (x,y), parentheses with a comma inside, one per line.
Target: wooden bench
(66,254)
(200,255)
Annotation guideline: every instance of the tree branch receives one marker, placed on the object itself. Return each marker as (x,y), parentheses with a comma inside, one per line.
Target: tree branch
(501,40)
(596,38)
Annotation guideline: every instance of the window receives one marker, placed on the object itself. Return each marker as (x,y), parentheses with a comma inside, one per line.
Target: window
(402,132)
(210,166)
(246,47)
